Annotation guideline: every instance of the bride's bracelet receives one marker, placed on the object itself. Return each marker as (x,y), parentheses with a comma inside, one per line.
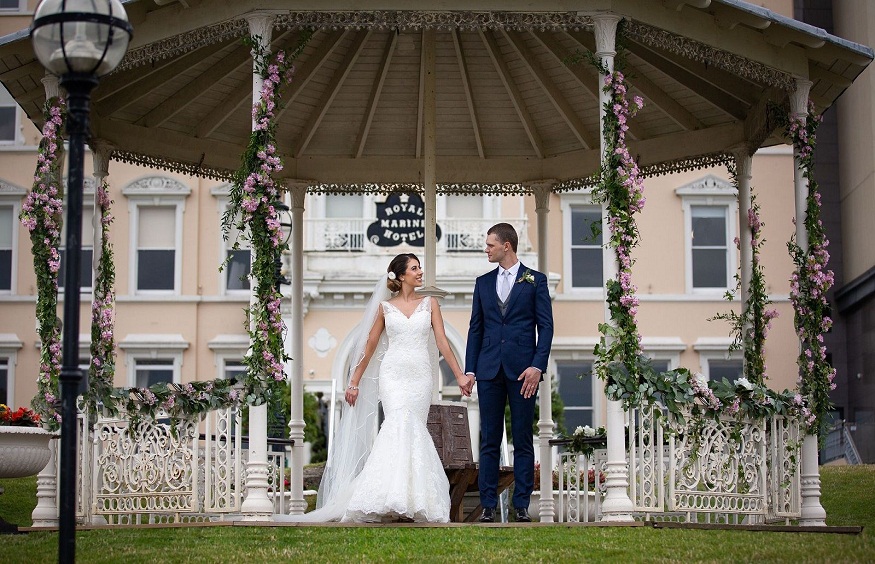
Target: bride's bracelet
(351,387)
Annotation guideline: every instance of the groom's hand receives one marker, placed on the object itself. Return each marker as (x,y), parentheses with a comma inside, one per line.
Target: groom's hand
(466,386)
(531,376)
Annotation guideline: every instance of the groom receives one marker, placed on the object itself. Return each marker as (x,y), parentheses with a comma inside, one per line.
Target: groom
(508,345)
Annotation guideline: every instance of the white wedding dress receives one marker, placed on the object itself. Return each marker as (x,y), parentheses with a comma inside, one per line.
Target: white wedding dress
(401,474)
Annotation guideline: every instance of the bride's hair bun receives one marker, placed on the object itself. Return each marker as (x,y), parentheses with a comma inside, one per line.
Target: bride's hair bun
(397,267)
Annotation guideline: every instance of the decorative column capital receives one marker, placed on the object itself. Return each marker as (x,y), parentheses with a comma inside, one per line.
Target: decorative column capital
(100,153)
(260,25)
(606,34)
(298,191)
(799,97)
(542,189)
(51,85)
(743,161)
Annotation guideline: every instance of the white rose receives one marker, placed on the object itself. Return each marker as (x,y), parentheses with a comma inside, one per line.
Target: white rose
(579,431)
(744,383)
(588,431)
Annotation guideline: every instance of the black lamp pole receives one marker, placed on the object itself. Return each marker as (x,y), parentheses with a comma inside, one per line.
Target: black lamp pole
(78,88)
(79,42)
(282,210)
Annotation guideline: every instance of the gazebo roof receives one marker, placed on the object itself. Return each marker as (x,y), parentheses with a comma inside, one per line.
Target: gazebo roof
(511,107)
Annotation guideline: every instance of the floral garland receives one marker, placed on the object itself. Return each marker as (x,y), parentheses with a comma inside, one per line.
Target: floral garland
(810,283)
(252,212)
(619,360)
(42,215)
(102,368)
(752,325)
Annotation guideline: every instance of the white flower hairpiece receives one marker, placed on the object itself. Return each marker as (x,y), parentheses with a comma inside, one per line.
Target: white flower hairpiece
(391,275)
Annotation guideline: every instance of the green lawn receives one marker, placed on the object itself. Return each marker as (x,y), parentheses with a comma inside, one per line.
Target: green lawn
(848,496)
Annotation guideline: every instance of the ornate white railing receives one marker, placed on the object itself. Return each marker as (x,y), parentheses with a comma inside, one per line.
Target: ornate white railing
(706,470)
(457,235)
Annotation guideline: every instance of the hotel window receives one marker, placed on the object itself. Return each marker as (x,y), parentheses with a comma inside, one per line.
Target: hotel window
(8,113)
(156,205)
(5,396)
(87,253)
(710,207)
(12,6)
(7,246)
(583,253)
(576,388)
(238,262)
(148,372)
(153,358)
(709,246)
(729,368)
(156,248)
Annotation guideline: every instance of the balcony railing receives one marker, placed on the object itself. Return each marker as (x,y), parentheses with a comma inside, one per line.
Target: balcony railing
(458,235)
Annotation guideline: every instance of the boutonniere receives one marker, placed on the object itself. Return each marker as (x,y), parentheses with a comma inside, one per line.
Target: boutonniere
(526,277)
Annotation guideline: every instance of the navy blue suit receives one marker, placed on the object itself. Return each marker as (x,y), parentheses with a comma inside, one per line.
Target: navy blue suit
(499,349)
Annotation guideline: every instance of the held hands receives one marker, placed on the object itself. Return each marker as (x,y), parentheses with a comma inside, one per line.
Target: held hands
(531,377)
(466,384)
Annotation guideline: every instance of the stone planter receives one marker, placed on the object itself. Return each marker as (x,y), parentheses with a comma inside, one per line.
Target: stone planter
(24,451)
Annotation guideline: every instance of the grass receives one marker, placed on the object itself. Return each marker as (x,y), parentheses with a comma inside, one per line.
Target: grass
(848,497)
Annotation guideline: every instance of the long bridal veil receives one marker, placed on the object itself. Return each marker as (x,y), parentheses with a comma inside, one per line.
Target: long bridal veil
(349,448)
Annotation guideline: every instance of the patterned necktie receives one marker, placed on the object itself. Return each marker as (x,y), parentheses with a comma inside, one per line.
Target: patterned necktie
(504,286)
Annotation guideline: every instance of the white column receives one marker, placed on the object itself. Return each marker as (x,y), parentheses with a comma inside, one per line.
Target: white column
(45,514)
(429,172)
(743,174)
(813,513)
(257,506)
(617,505)
(298,192)
(546,507)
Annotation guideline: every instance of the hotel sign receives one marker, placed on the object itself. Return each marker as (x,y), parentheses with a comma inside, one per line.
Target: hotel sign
(400,220)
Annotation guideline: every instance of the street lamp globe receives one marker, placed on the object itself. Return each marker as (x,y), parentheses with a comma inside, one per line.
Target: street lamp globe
(87,37)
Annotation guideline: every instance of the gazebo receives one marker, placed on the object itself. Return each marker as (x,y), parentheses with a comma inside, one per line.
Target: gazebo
(464,99)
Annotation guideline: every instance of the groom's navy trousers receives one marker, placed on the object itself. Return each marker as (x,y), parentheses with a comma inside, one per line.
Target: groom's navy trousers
(502,343)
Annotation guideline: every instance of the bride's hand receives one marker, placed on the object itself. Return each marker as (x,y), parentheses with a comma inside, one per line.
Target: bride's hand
(352,395)
(466,384)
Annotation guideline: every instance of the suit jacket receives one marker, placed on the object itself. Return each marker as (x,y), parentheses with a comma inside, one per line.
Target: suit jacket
(519,339)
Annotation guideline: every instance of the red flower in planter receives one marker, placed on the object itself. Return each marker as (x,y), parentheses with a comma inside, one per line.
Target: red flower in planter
(22,417)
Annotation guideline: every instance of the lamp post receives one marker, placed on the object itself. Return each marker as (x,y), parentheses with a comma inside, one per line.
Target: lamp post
(285,218)
(79,41)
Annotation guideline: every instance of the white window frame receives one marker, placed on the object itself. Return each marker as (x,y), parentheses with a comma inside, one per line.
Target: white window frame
(87,202)
(17,137)
(22,7)
(566,203)
(160,191)
(11,196)
(222,194)
(664,348)
(571,349)
(227,349)
(710,191)
(153,347)
(10,344)
(714,348)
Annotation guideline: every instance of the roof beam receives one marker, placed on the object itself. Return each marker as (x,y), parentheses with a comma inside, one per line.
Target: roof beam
(469,96)
(565,110)
(585,74)
(302,76)
(126,88)
(512,90)
(715,96)
(24,70)
(352,55)
(185,95)
(650,91)
(375,93)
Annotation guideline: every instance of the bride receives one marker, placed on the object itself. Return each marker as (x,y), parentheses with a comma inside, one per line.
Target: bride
(397,474)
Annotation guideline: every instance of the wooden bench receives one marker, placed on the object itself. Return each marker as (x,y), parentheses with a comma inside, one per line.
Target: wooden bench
(448,426)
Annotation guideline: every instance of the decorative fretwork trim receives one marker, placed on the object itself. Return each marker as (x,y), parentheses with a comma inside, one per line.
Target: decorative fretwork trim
(191,169)
(470,189)
(183,43)
(417,20)
(691,49)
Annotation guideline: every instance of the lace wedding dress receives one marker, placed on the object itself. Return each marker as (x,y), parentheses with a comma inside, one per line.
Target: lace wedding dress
(398,474)
(403,476)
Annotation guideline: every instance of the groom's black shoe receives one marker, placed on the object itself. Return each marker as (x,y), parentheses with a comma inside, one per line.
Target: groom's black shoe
(522,515)
(488,515)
